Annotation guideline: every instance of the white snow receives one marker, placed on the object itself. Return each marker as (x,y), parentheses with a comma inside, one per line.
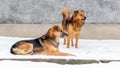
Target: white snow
(88,49)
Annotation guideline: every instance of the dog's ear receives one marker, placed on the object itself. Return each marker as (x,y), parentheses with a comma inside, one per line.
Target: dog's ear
(50,33)
(76,11)
(82,10)
(56,28)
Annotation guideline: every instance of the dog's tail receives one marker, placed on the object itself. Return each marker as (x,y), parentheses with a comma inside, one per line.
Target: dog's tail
(66,15)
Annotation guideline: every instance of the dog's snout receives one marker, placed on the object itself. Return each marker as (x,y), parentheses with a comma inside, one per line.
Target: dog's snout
(64,35)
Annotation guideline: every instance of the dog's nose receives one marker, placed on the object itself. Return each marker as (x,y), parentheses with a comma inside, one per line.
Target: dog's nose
(84,18)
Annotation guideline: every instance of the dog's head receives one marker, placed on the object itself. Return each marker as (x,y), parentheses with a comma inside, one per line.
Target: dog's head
(79,14)
(56,32)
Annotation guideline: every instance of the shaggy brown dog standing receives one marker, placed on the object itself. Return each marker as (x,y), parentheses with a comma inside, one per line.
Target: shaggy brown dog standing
(72,25)
(47,44)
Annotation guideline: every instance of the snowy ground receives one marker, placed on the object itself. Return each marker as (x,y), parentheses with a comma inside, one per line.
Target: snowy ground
(88,49)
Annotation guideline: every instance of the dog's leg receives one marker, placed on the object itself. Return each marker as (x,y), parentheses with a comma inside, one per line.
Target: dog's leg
(57,53)
(77,38)
(64,41)
(68,41)
(72,42)
(64,54)
(70,38)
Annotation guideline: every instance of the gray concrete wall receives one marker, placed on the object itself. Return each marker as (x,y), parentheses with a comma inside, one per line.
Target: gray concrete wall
(89,31)
(47,11)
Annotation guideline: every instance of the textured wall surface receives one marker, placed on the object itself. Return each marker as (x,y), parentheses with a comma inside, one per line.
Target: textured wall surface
(47,11)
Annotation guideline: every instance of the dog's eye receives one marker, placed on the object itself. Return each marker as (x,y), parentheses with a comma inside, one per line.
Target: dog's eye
(60,30)
(81,14)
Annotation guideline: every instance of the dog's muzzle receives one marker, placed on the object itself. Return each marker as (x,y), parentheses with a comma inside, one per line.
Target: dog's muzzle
(63,35)
(84,18)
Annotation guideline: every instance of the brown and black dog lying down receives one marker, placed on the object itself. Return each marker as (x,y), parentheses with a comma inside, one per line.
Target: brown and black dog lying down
(72,25)
(46,45)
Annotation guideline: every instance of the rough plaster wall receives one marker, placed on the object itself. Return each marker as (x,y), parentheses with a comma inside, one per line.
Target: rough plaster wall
(47,11)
